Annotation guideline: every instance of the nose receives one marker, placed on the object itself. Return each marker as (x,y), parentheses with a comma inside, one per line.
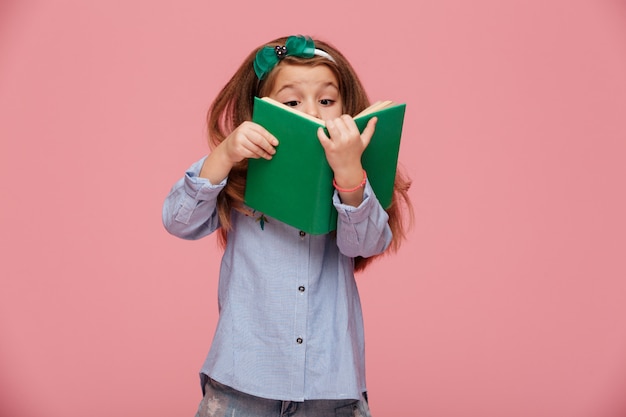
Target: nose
(310,108)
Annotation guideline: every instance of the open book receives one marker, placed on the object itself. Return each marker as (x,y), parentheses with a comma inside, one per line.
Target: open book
(295,186)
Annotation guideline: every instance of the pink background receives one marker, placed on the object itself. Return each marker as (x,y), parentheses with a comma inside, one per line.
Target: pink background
(509,299)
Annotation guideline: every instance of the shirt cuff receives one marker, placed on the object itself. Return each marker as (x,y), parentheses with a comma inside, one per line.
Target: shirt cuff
(201,188)
(351,214)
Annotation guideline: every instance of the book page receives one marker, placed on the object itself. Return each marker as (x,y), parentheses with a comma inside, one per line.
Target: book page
(299,113)
(372,108)
(375,107)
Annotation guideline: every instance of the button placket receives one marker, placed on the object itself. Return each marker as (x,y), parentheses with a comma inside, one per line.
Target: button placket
(300,297)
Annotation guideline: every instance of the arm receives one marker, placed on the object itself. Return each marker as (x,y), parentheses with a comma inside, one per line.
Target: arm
(343,151)
(189,210)
(249,140)
(363,230)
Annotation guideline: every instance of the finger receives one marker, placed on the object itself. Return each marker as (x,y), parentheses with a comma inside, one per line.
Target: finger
(337,128)
(261,143)
(271,139)
(262,149)
(250,150)
(259,132)
(247,145)
(264,144)
(369,130)
(324,140)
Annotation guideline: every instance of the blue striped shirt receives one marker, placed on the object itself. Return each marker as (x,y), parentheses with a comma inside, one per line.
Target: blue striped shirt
(290,325)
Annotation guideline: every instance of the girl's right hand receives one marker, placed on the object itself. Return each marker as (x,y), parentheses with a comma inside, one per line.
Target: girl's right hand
(249,140)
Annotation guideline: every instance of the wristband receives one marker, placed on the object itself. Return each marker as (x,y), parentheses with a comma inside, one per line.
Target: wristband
(350,190)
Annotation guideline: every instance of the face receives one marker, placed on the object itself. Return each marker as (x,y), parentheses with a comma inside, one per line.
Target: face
(311,90)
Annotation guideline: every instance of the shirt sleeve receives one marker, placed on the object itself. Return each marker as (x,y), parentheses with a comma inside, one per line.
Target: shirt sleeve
(189,210)
(363,230)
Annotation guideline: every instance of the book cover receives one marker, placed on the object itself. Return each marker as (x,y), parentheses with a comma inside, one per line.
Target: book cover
(295,186)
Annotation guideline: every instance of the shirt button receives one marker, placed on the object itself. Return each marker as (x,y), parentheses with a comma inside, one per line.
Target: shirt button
(299,340)
(301,288)
(302,233)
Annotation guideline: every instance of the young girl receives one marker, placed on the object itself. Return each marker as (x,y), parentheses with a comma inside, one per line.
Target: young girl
(289,340)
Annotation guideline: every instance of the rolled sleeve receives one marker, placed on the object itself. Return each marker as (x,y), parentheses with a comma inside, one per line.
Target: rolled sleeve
(189,210)
(363,230)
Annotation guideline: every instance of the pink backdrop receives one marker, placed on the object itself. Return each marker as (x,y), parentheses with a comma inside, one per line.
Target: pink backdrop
(509,298)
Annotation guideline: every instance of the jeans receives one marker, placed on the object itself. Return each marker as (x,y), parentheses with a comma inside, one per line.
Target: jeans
(222,401)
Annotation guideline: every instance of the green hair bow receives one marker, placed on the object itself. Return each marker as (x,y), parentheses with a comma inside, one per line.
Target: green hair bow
(269,56)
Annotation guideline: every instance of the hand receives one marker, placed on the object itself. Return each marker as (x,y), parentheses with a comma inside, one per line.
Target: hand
(249,140)
(346,145)
(343,151)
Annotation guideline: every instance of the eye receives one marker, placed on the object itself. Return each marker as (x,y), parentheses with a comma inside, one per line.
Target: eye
(292,103)
(327,102)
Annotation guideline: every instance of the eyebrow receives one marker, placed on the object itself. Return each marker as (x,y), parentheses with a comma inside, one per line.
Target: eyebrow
(323,86)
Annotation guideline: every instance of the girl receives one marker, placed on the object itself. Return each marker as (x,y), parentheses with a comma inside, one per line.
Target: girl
(289,340)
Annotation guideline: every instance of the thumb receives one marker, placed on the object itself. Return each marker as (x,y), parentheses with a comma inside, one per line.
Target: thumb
(324,140)
(368,132)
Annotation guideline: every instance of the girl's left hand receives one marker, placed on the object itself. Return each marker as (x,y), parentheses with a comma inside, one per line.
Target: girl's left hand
(345,146)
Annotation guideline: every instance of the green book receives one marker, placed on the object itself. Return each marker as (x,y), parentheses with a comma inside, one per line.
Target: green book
(296,185)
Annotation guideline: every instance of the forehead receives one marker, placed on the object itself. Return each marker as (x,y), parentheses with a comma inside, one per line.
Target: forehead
(303,75)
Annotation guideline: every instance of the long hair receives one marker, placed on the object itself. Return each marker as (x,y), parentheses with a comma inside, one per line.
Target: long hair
(233,106)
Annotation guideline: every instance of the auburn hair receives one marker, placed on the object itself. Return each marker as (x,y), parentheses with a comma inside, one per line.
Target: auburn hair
(233,106)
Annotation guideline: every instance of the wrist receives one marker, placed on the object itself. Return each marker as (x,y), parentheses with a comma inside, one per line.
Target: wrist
(350,183)
(217,165)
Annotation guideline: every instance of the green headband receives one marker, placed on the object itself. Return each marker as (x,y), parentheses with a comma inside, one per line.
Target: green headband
(269,56)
